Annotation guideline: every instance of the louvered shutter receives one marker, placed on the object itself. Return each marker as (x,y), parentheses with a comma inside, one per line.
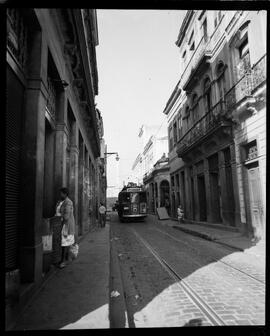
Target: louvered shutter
(14,107)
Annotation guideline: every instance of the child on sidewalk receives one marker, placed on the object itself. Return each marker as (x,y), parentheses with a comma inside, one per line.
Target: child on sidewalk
(180,214)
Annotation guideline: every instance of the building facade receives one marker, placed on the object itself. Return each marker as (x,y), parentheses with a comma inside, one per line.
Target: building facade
(157,185)
(52,137)
(153,143)
(217,120)
(101,166)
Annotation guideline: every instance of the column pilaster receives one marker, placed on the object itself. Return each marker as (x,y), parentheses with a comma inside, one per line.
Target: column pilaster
(207,190)
(237,214)
(31,251)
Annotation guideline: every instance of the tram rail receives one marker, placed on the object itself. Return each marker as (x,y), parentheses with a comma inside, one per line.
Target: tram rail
(201,304)
(212,258)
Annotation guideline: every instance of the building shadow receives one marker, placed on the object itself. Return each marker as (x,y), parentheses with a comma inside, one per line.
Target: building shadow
(74,297)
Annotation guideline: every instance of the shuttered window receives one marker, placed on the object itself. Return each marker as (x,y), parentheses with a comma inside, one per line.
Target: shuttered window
(14,111)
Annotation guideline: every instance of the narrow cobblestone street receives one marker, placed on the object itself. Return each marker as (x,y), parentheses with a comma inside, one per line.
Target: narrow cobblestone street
(218,286)
(136,167)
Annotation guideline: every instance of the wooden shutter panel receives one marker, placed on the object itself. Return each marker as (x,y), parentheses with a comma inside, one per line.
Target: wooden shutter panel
(14,93)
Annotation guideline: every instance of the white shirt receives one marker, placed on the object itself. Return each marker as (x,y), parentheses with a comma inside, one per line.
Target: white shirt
(58,213)
(179,211)
(102,210)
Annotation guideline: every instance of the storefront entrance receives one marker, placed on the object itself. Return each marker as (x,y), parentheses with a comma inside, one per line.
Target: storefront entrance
(202,197)
(255,199)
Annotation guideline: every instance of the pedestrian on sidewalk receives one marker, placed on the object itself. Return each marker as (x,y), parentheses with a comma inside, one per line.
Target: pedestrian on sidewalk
(180,214)
(102,211)
(167,205)
(64,208)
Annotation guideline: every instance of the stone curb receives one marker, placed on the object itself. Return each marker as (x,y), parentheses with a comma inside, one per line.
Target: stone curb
(118,281)
(207,237)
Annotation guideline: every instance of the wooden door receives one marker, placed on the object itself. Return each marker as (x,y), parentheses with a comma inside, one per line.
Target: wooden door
(192,198)
(202,197)
(255,200)
(215,197)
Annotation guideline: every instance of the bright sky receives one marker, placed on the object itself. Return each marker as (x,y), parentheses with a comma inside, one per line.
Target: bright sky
(138,68)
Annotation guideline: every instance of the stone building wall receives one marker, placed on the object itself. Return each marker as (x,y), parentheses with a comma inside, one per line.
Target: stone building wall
(55,142)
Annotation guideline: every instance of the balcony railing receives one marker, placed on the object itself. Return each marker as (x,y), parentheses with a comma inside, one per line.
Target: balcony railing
(246,85)
(211,120)
(17,35)
(200,51)
(51,99)
(259,72)
(220,113)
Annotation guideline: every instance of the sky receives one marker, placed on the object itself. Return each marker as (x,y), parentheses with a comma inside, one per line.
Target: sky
(138,68)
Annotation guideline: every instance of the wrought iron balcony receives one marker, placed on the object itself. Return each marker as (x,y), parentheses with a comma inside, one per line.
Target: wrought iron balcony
(259,73)
(246,86)
(51,99)
(17,35)
(206,125)
(221,115)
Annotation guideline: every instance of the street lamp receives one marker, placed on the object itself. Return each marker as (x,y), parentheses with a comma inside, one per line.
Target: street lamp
(111,153)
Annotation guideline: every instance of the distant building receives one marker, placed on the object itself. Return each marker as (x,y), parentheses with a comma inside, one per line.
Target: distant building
(157,185)
(217,120)
(154,142)
(102,164)
(52,136)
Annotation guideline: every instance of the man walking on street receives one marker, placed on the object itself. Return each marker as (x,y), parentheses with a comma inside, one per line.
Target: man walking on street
(102,211)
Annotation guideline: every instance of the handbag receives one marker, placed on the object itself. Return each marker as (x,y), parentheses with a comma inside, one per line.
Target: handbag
(73,251)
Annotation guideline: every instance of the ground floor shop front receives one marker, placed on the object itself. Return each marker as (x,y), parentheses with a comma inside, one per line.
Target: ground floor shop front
(157,187)
(206,187)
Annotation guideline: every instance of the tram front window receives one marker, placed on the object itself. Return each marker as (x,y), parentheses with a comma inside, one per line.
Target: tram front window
(134,197)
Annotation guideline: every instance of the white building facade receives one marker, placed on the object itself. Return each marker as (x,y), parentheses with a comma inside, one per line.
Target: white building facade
(217,120)
(154,143)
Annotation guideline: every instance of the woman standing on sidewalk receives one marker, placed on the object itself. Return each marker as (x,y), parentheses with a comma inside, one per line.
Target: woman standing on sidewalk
(64,208)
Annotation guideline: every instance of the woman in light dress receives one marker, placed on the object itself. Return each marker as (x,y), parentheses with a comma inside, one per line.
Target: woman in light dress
(64,208)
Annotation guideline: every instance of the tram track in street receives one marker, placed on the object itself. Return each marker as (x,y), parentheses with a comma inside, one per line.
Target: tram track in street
(212,259)
(200,303)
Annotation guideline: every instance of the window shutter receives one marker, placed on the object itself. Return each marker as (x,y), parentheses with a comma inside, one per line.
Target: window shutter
(14,97)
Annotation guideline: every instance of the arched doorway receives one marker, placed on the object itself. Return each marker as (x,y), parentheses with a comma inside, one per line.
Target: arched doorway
(165,194)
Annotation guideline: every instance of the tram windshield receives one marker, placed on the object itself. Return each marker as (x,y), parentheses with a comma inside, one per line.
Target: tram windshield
(133,197)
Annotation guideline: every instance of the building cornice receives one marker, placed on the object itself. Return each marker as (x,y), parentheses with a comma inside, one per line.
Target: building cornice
(172,99)
(184,26)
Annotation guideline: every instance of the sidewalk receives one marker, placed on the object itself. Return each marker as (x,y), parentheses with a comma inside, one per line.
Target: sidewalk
(76,297)
(221,236)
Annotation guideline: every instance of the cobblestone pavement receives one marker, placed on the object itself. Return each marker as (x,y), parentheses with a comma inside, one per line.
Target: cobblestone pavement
(246,262)
(155,299)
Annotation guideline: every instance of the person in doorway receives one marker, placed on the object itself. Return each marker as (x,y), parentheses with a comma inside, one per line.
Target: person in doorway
(64,208)
(167,205)
(102,212)
(180,214)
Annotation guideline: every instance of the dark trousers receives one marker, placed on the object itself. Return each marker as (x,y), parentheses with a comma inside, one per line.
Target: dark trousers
(102,220)
(65,253)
